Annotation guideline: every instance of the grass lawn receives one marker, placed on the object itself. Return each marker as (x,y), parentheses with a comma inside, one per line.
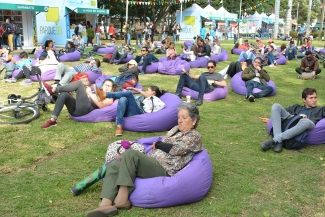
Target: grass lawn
(38,166)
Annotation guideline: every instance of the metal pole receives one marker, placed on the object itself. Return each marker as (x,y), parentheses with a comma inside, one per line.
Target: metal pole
(308,17)
(297,15)
(180,17)
(321,23)
(127,10)
(240,9)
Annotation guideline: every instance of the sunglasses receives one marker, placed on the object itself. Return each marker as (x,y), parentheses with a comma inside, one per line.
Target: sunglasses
(143,50)
(210,67)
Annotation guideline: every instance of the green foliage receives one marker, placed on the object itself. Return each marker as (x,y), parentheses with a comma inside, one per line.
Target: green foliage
(293,34)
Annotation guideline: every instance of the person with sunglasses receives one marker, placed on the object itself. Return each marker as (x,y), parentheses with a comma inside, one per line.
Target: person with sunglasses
(204,83)
(84,101)
(121,55)
(309,67)
(256,77)
(144,59)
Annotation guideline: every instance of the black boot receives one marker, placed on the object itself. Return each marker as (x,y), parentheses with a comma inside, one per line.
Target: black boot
(267,145)
(199,102)
(278,147)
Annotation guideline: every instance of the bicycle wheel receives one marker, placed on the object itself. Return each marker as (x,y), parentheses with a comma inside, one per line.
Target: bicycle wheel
(14,114)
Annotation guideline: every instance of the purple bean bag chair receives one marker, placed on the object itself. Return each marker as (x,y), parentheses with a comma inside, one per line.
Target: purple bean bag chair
(322,50)
(105,114)
(173,67)
(200,62)
(214,57)
(223,56)
(167,117)
(314,137)
(281,60)
(106,50)
(163,59)
(127,59)
(238,85)
(94,75)
(70,57)
(311,49)
(46,76)
(189,185)
(38,53)
(217,93)
(237,51)
(158,44)
(188,43)
(153,68)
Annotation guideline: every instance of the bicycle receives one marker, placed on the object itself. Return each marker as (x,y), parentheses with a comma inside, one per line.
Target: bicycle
(23,110)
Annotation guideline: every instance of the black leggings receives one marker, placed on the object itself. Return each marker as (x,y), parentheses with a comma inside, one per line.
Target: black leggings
(26,73)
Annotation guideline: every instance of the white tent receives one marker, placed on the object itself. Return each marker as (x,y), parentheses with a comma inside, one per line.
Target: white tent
(253,23)
(220,14)
(194,7)
(210,9)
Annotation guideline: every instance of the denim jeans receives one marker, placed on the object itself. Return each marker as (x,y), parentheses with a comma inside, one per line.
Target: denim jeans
(127,105)
(139,36)
(186,81)
(78,106)
(246,56)
(17,41)
(278,114)
(119,57)
(98,41)
(266,90)
(270,58)
(300,71)
(235,38)
(294,51)
(174,37)
(128,39)
(164,35)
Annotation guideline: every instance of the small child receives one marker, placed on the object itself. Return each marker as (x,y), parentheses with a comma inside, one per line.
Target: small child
(171,52)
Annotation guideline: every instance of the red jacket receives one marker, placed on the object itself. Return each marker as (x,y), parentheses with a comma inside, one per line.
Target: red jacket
(2,31)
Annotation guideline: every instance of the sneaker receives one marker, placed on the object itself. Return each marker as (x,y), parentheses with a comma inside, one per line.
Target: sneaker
(251,98)
(49,123)
(199,102)
(274,62)
(118,131)
(142,73)
(47,88)
(99,93)
(267,145)
(11,80)
(272,65)
(26,82)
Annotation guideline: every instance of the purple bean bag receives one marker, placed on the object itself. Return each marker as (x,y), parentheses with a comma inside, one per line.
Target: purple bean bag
(237,51)
(189,185)
(46,76)
(200,62)
(153,68)
(238,85)
(311,49)
(173,67)
(314,137)
(322,50)
(281,60)
(223,56)
(217,93)
(158,44)
(188,43)
(70,57)
(214,57)
(38,53)
(105,114)
(94,75)
(127,59)
(106,50)
(163,59)
(167,117)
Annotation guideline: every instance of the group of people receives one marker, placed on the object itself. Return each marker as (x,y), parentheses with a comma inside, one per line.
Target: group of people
(10,34)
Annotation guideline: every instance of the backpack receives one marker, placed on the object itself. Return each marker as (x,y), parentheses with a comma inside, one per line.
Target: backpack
(76,30)
(152,104)
(17,29)
(107,57)
(126,80)
(297,142)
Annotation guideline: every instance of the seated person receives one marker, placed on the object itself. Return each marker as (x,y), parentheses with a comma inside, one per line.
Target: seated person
(5,62)
(81,43)
(83,102)
(269,56)
(19,64)
(144,59)
(310,114)
(287,37)
(171,52)
(49,45)
(271,42)
(120,56)
(168,157)
(204,49)
(309,64)
(128,104)
(244,46)
(235,67)
(283,49)
(305,45)
(249,54)
(111,44)
(191,55)
(204,83)
(74,40)
(256,77)
(215,49)
(291,51)
(65,74)
(130,67)
(71,48)
(149,45)
(260,44)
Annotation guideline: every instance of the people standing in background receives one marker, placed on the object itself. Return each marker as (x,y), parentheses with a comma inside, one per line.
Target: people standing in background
(203,32)
(139,29)
(97,33)
(147,31)
(111,31)
(130,33)
(125,31)
(10,31)
(178,31)
(212,33)
(226,32)
(17,36)
(174,32)
(90,35)
(263,31)
(80,27)
(164,30)
(153,29)
(2,32)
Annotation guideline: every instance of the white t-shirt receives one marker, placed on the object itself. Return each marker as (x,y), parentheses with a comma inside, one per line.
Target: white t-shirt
(190,55)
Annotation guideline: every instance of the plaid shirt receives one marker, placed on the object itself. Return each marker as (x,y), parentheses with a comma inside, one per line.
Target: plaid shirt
(85,67)
(185,145)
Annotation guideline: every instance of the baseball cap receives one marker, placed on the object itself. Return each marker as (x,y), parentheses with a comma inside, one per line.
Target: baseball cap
(132,62)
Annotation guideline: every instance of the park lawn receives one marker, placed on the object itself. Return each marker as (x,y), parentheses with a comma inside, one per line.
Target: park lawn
(38,166)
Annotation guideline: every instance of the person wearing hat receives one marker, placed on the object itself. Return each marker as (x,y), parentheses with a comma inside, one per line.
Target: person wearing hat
(120,56)
(130,67)
(271,42)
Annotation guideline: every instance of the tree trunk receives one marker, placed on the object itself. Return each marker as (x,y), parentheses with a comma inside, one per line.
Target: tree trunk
(321,23)
(288,21)
(308,17)
(276,21)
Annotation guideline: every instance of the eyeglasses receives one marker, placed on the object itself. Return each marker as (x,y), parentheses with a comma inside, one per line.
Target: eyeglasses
(210,67)
(107,85)
(143,50)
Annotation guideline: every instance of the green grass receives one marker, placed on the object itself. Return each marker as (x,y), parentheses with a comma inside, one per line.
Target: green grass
(37,167)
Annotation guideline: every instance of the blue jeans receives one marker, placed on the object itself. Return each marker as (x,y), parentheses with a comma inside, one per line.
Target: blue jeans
(235,38)
(294,52)
(139,36)
(266,90)
(126,107)
(248,56)
(174,37)
(202,86)
(278,114)
(17,41)
(119,57)
(270,58)
(128,39)
(164,35)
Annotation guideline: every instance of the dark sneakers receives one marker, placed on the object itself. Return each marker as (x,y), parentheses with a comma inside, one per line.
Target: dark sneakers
(278,147)
(268,144)
(251,98)
(199,102)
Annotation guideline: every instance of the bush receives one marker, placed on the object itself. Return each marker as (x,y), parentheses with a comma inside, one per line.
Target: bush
(315,34)
(293,34)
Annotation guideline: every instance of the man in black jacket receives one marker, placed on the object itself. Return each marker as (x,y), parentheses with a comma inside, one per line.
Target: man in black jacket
(310,114)
(204,49)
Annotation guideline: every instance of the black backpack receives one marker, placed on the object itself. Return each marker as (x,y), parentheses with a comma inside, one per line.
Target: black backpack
(76,30)
(297,142)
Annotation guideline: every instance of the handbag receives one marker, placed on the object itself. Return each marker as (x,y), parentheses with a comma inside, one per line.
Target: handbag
(80,76)
(115,149)
(152,104)
(102,35)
